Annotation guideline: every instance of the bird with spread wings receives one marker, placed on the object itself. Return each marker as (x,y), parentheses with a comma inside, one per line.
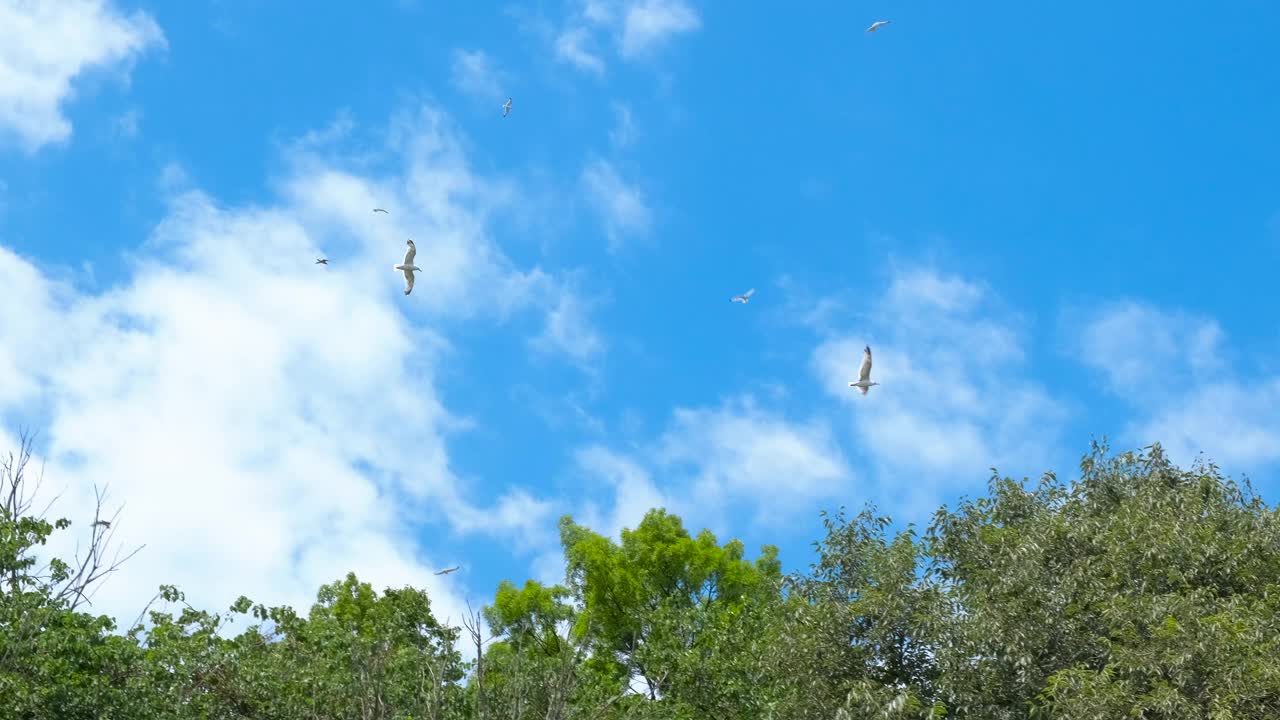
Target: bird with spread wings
(408,268)
(864,373)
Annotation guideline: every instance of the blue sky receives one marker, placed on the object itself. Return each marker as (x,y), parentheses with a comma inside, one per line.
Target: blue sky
(1051,224)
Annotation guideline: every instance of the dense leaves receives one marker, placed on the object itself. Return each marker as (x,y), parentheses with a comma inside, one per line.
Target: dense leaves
(1140,590)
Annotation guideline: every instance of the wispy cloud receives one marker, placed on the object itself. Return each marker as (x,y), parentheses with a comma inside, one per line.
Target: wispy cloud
(637,27)
(716,460)
(44,46)
(125,126)
(621,206)
(573,45)
(272,423)
(1140,349)
(476,74)
(650,22)
(569,330)
(624,129)
(1174,370)
(634,492)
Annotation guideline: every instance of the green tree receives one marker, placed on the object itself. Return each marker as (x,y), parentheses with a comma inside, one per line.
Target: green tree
(1142,590)
(654,604)
(55,660)
(534,669)
(859,626)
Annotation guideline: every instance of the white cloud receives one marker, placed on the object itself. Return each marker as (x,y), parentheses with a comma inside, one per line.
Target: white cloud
(1139,348)
(1174,370)
(713,459)
(624,132)
(954,398)
(569,330)
(125,126)
(637,27)
(476,74)
(572,45)
(621,206)
(44,46)
(272,424)
(650,22)
(634,492)
(741,452)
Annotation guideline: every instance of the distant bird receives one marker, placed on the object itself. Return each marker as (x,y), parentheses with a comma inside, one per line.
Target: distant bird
(446,571)
(864,373)
(322,261)
(744,298)
(407,267)
(103,523)
(877,24)
(506,108)
(379,210)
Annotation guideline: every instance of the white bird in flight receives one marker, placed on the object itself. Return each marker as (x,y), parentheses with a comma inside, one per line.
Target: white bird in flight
(446,571)
(864,373)
(407,267)
(876,25)
(506,107)
(744,298)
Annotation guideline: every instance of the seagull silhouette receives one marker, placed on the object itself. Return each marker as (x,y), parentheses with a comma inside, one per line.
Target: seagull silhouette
(446,571)
(408,268)
(322,261)
(506,107)
(877,24)
(744,298)
(864,373)
(379,210)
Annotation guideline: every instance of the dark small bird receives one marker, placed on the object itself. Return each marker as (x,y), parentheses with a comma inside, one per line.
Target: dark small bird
(103,523)
(446,571)
(322,261)
(379,210)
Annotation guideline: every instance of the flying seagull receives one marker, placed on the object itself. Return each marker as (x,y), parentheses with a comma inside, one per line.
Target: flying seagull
(322,261)
(379,210)
(506,107)
(407,267)
(446,571)
(875,25)
(744,298)
(864,373)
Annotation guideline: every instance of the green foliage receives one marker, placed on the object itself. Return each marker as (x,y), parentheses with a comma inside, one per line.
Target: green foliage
(1141,590)
(653,603)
